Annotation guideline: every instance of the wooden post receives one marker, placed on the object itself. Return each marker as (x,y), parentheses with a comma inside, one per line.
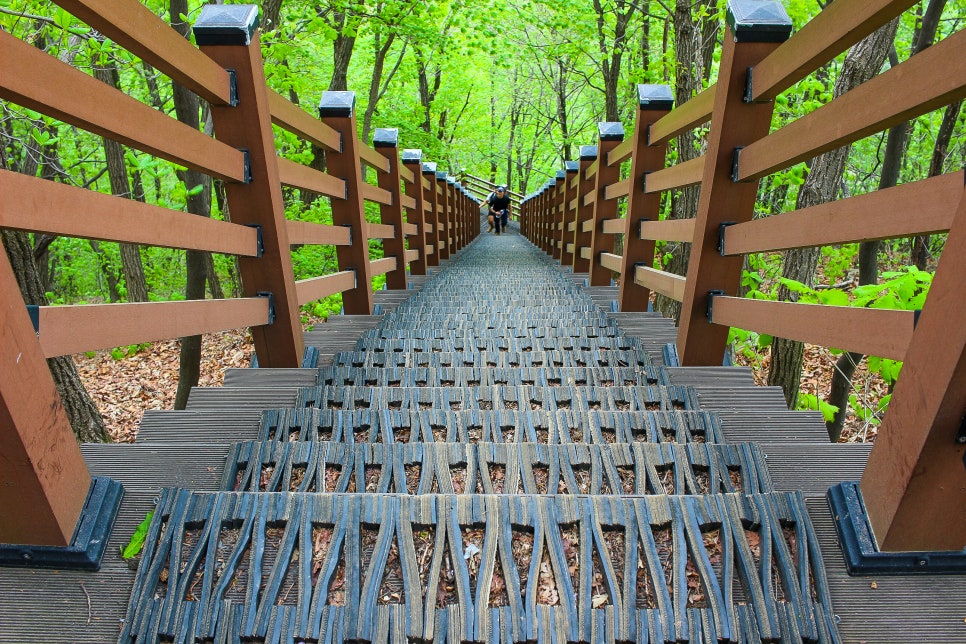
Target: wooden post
(43,477)
(386,143)
(914,485)
(734,123)
(443,216)
(654,101)
(431,199)
(568,215)
(546,199)
(228,35)
(416,216)
(610,136)
(556,214)
(588,153)
(337,110)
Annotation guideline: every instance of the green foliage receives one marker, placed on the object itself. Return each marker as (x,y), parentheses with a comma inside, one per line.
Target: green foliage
(813,403)
(119,353)
(136,543)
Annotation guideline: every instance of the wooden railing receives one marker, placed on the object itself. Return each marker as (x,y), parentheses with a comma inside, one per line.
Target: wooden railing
(425,218)
(914,487)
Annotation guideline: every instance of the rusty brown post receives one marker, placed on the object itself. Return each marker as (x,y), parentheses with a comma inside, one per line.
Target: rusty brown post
(734,123)
(610,135)
(432,214)
(443,216)
(654,101)
(556,214)
(914,485)
(386,143)
(47,496)
(228,35)
(417,216)
(588,154)
(337,110)
(568,215)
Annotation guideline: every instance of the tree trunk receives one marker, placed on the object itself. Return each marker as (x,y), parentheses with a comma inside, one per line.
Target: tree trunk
(84,417)
(684,204)
(861,63)
(375,91)
(113,292)
(920,245)
(271,10)
(186,106)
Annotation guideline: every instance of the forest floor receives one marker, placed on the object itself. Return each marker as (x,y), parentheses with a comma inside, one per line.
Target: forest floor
(124,388)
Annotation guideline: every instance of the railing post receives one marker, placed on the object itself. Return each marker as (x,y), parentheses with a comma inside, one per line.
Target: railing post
(914,485)
(610,136)
(431,199)
(47,495)
(734,123)
(443,216)
(228,35)
(416,216)
(569,215)
(556,215)
(545,200)
(588,154)
(654,101)
(386,143)
(337,110)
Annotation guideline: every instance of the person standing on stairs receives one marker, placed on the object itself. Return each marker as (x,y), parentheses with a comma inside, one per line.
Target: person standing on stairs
(499,203)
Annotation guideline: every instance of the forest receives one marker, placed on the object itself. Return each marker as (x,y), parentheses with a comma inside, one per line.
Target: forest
(502,89)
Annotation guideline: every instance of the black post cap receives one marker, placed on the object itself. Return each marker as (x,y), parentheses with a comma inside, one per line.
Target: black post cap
(572,166)
(758,21)
(385,137)
(561,174)
(610,131)
(655,97)
(429,167)
(412,155)
(441,176)
(337,104)
(226,24)
(588,152)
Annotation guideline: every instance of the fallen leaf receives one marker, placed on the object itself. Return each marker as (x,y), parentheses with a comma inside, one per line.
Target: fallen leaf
(598,600)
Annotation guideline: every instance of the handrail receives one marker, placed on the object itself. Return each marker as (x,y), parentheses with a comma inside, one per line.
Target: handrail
(318,288)
(292,118)
(296,175)
(108,112)
(381,231)
(687,173)
(73,329)
(305,232)
(679,230)
(667,284)
(695,112)
(36,205)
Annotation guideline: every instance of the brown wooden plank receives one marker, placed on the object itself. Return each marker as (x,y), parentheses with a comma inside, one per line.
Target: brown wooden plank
(382,266)
(621,153)
(914,486)
(662,282)
(305,232)
(587,226)
(681,230)
(929,80)
(407,176)
(300,176)
(619,189)
(678,175)
(839,327)
(837,27)
(412,256)
(318,288)
(684,117)
(380,231)
(611,261)
(883,214)
(43,481)
(292,118)
(33,204)
(372,158)
(612,226)
(391,214)
(248,126)
(585,252)
(136,28)
(584,213)
(66,330)
(376,194)
(74,97)
(407,202)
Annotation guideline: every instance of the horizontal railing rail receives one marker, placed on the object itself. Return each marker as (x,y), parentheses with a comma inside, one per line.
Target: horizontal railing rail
(424,217)
(573,218)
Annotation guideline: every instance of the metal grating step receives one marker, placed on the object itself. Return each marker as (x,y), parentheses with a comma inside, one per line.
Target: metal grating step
(502,426)
(502,359)
(645,398)
(475,333)
(498,345)
(496,468)
(469,377)
(337,568)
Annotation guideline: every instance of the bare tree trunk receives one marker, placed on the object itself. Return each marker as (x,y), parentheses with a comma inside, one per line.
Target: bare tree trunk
(861,63)
(375,91)
(684,204)
(561,87)
(186,106)
(920,245)
(271,10)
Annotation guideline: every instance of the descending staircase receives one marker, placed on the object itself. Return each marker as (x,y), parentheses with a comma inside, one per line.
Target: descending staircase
(495,458)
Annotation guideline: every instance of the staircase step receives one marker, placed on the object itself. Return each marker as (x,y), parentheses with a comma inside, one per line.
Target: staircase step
(470,377)
(502,426)
(497,345)
(495,468)
(503,359)
(448,568)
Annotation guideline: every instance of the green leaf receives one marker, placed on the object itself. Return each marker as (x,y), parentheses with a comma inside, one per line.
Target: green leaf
(195,190)
(833,297)
(136,544)
(764,340)
(117,353)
